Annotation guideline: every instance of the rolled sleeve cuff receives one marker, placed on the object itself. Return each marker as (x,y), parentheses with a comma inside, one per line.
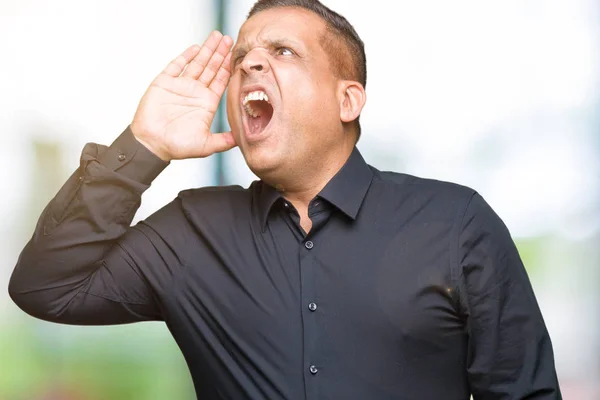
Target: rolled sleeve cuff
(132,159)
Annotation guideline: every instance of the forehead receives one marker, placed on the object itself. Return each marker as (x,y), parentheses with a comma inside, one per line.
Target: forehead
(281,23)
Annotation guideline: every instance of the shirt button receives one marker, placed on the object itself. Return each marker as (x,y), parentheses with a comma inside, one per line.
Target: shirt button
(309,245)
(121,157)
(312,306)
(313,370)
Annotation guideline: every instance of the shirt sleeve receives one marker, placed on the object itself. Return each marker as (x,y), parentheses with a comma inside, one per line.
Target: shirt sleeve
(510,354)
(84,264)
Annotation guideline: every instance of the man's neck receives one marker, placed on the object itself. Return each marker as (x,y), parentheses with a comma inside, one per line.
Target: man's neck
(305,185)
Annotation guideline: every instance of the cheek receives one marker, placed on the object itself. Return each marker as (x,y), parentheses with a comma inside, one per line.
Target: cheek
(297,85)
(308,95)
(311,99)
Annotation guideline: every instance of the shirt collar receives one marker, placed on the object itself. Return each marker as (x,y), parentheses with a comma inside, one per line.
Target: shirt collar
(346,190)
(267,196)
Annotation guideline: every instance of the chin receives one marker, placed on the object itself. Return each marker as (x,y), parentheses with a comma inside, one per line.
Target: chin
(263,161)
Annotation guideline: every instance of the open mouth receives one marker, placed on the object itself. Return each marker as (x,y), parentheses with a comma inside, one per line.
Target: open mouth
(258,111)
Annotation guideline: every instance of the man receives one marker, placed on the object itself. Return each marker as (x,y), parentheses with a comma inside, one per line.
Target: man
(326,279)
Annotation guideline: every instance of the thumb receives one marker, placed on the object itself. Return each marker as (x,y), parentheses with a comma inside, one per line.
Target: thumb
(218,142)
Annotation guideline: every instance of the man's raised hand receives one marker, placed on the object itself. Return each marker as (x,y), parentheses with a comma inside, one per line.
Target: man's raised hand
(174,116)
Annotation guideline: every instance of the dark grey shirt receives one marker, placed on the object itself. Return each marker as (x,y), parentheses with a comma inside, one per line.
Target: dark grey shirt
(405,288)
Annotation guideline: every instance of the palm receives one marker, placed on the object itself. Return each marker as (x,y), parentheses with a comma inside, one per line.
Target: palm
(176,112)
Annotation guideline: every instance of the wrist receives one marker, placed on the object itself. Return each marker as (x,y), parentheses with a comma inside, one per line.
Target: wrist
(156,150)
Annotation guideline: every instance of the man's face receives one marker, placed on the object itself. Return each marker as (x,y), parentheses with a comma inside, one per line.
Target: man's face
(278,54)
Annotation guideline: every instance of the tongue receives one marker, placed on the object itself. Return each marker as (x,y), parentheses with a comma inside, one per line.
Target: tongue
(264,113)
(256,125)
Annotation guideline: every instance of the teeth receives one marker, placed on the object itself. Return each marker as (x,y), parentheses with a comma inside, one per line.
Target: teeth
(256,95)
(250,111)
(253,96)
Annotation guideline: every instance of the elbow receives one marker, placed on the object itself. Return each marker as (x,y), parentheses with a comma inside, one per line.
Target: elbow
(35,306)
(19,299)
(36,290)
(33,302)
(16,289)
(27,302)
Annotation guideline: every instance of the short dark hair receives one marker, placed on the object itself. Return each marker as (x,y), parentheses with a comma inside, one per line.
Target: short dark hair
(345,48)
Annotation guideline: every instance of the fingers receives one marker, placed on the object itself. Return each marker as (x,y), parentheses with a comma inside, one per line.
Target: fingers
(209,64)
(176,66)
(216,60)
(219,84)
(198,63)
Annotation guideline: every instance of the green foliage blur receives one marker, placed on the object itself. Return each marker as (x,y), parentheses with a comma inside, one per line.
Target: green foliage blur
(44,361)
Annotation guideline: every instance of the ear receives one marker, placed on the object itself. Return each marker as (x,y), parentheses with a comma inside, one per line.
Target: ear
(352,100)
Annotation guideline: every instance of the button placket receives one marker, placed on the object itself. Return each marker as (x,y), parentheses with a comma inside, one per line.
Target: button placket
(308,264)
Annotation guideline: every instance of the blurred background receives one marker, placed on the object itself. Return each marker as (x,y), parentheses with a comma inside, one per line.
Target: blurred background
(502,96)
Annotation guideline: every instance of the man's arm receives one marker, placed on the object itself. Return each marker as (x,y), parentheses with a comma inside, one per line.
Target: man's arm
(509,351)
(82,265)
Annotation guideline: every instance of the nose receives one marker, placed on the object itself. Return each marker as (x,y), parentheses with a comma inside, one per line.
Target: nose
(255,61)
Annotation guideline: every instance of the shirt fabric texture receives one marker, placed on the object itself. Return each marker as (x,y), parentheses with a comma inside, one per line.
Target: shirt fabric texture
(404,288)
